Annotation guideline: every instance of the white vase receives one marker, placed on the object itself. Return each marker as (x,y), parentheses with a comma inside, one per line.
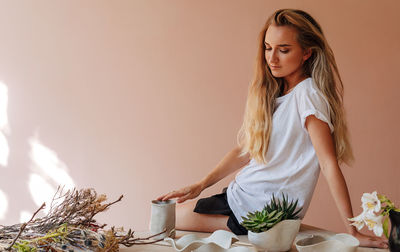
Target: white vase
(279,238)
(162,218)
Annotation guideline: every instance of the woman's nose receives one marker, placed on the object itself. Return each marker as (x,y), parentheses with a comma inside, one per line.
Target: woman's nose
(273,58)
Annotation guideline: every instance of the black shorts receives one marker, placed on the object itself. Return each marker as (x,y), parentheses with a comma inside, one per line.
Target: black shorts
(218,204)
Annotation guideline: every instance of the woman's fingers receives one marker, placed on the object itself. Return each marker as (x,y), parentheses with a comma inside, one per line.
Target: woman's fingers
(183,194)
(171,195)
(190,195)
(378,244)
(371,241)
(184,198)
(160,197)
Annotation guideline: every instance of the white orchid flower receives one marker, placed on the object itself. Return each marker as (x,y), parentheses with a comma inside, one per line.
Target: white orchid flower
(358,221)
(374,223)
(370,202)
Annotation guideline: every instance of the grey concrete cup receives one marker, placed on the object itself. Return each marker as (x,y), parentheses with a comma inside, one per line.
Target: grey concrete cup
(162,218)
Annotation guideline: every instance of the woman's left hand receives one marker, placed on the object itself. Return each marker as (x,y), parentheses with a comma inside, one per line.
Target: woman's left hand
(371,241)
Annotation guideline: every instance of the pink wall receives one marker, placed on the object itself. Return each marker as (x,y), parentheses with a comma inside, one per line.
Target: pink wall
(142,97)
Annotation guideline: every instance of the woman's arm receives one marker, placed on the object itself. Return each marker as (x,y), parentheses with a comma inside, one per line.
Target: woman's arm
(323,143)
(230,163)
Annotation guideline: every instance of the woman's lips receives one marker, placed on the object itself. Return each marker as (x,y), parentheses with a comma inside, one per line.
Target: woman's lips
(274,67)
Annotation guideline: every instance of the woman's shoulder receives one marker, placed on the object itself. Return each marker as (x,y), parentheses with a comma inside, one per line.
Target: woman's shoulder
(309,92)
(307,86)
(309,89)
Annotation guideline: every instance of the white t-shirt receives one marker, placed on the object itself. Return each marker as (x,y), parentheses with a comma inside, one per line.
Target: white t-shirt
(292,166)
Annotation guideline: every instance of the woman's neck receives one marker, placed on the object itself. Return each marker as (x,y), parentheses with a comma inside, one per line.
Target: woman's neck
(291,81)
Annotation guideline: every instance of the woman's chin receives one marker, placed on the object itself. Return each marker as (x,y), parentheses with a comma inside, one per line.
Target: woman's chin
(277,75)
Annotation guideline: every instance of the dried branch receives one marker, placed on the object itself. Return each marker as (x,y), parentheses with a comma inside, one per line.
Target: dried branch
(103,208)
(24,226)
(70,223)
(129,240)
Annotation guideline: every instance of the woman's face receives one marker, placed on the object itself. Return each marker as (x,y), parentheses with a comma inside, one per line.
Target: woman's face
(283,54)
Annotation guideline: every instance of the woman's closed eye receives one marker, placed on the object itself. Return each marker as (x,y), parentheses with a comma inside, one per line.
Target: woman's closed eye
(282,50)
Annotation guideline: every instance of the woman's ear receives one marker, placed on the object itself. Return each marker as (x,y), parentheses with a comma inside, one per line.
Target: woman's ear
(307,54)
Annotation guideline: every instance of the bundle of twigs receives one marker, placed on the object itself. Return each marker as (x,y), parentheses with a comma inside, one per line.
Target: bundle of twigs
(69,226)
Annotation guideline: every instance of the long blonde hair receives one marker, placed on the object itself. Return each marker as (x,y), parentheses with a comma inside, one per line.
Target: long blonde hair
(254,135)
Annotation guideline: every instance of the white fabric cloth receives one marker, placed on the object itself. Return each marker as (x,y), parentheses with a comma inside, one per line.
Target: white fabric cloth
(292,166)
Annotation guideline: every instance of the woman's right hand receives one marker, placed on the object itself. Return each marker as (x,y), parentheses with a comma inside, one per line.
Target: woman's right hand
(183,194)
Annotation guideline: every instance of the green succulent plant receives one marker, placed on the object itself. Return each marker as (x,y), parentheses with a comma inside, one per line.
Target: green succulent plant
(271,214)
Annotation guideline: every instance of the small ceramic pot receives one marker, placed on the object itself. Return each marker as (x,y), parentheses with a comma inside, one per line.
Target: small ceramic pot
(162,218)
(339,242)
(279,238)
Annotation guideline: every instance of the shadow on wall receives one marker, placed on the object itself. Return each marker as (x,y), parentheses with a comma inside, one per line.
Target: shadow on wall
(47,171)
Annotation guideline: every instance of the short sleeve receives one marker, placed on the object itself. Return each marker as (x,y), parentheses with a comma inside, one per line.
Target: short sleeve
(314,103)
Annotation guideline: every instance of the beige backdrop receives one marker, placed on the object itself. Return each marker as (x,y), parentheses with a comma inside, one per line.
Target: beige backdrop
(142,97)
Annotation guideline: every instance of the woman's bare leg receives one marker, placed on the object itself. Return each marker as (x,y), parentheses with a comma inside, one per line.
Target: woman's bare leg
(186,219)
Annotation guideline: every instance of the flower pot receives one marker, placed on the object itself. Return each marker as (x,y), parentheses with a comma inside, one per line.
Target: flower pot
(162,218)
(279,238)
(394,237)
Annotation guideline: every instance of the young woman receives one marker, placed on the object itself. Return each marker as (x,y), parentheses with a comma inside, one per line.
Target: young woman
(294,125)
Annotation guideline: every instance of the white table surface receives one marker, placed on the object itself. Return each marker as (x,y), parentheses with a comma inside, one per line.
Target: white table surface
(305,231)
